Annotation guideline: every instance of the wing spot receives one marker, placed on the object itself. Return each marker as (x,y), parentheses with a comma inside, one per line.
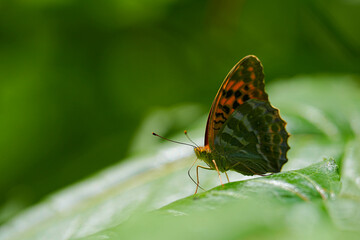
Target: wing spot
(238,94)
(276,139)
(229,93)
(226,109)
(252,76)
(217,122)
(245,98)
(275,128)
(220,115)
(235,105)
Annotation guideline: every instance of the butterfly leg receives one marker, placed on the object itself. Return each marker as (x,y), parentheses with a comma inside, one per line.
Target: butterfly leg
(227,177)
(197,176)
(218,172)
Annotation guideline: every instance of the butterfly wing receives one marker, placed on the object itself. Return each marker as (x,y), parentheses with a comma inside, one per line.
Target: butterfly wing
(253,140)
(245,81)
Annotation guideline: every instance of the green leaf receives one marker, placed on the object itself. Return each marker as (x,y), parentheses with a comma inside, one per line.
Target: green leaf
(320,181)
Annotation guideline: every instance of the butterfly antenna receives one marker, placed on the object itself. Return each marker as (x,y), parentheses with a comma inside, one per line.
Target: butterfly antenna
(157,135)
(191,177)
(186,134)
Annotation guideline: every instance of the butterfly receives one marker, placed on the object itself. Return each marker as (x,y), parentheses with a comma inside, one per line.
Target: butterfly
(244,132)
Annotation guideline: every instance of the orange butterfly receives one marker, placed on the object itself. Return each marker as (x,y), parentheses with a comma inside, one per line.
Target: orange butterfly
(244,133)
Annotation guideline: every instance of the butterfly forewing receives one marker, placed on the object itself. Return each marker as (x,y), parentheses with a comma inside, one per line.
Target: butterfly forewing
(245,81)
(253,139)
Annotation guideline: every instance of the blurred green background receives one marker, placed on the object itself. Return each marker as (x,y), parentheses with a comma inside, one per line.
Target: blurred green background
(78,77)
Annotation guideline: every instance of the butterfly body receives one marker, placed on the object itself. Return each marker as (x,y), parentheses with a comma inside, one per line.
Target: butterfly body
(244,132)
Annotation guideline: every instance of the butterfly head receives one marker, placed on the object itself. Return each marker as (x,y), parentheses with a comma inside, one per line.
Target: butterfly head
(203,153)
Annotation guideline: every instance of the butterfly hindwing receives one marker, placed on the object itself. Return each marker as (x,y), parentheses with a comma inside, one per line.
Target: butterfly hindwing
(245,81)
(253,139)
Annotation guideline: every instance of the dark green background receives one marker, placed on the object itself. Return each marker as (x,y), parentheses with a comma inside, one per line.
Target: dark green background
(78,77)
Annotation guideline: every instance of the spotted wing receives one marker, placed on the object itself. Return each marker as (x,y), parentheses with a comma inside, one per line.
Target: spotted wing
(253,140)
(244,82)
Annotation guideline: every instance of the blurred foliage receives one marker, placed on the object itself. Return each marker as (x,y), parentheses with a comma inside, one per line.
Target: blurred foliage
(143,196)
(78,77)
